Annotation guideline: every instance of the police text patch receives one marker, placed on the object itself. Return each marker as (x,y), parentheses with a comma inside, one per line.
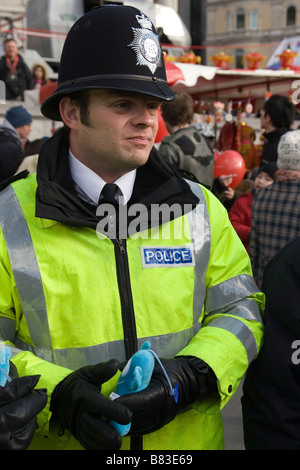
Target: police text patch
(167,256)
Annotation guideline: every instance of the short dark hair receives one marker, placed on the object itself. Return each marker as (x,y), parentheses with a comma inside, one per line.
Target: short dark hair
(281,111)
(9,39)
(180,111)
(82,98)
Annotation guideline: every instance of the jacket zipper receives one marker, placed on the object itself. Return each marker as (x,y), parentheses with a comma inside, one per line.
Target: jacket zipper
(128,318)
(129,326)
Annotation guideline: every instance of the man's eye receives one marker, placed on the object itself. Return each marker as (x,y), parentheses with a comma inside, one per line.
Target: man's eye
(122,105)
(153,106)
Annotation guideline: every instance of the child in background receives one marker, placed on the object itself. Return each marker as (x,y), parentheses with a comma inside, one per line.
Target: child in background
(240,213)
(40,75)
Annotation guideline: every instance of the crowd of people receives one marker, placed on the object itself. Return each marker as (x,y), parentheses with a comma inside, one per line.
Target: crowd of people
(267,220)
(15,73)
(83,287)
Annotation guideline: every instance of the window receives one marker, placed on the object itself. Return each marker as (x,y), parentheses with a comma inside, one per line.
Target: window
(253,20)
(229,22)
(240,18)
(239,60)
(291,16)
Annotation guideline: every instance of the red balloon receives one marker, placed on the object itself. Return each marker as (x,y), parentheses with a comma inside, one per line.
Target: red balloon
(217,154)
(162,130)
(230,162)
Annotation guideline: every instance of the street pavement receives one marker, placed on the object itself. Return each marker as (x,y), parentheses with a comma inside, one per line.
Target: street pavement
(233,423)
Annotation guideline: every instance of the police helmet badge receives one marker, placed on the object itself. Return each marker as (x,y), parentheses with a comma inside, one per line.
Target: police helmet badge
(146,44)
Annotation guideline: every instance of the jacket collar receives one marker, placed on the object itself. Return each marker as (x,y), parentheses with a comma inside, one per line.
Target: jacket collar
(157,182)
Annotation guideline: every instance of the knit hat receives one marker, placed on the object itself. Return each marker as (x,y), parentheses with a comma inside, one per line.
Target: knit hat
(18,116)
(269,168)
(289,151)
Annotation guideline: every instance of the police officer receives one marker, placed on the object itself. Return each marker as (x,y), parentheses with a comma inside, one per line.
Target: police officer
(109,246)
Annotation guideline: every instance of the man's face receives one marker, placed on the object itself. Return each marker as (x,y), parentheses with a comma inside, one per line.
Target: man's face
(119,133)
(264,119)
(11,49)
(24,131)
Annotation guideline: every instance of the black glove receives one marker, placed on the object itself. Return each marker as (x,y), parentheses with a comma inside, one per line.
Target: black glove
(154,407)
(80,407)
(19,405)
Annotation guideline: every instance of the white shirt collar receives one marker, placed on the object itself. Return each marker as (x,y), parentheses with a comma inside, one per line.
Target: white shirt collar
(89,185)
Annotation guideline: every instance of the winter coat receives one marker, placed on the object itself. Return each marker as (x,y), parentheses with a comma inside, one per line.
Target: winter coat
(188,149)
(11,154)
(240,217)
(22,79)
(271,400)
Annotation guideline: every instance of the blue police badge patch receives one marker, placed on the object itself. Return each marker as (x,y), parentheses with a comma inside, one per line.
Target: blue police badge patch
(146,44)
(167,256)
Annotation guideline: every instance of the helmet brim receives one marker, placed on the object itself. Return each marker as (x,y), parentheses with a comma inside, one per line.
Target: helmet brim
(156,88)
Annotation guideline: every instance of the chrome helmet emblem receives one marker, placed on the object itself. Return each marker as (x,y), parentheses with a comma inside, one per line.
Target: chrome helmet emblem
(146,44)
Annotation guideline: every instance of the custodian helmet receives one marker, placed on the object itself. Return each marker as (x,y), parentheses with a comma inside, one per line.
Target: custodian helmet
(114,47)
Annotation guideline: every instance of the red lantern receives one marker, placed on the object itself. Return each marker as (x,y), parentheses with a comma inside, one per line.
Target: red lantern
(287,58)
(221,60)
(230,162)
(253,60)
(162,130)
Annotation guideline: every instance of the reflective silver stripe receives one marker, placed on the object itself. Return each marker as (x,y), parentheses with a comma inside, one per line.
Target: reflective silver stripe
(240,331)
(229,291)
(72,358)
(246,309)
(25,267)
(28,280)
(7,329)
(200,237)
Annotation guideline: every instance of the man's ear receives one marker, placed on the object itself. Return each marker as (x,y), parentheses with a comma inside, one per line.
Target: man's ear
(70,113)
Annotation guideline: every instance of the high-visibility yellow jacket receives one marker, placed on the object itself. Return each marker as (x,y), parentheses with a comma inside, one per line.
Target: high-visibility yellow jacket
(71,297)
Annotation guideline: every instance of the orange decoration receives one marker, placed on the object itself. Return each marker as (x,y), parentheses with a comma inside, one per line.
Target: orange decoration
(187,58)
(221,60)
(287,58)
(253,60)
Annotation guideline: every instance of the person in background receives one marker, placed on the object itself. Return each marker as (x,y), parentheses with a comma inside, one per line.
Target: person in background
(14,72)
(162,36)
(186,147)
(40,75)
(14,133)
(276,118)
(90,269)
(271,392)
(240,212)
(276,208)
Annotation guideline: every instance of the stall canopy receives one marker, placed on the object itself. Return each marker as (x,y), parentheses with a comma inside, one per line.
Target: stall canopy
(222,84)
(219,84)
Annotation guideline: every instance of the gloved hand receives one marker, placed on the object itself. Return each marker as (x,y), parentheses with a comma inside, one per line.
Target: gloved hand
(154,407)
(79,406)
(19,405)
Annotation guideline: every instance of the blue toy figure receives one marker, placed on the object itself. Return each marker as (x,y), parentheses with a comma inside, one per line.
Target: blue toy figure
(135,377)
(5,354)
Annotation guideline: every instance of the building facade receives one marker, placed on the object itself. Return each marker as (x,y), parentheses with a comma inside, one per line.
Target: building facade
(238,27)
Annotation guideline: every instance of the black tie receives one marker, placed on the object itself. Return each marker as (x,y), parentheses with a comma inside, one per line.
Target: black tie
(108,194)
